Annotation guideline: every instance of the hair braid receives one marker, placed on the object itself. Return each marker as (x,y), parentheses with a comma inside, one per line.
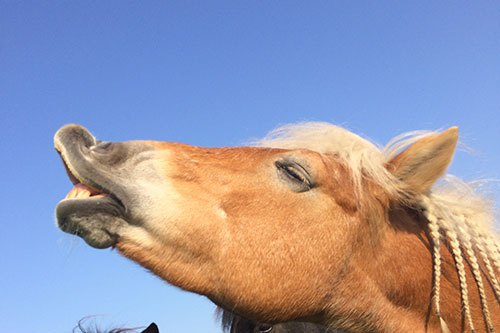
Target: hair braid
(435,235)
(493,250)
(488,246)
(481,247)
(466,242)
(459,263)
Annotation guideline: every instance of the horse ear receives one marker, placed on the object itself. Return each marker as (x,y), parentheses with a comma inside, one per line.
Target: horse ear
(422,163)
(151,329)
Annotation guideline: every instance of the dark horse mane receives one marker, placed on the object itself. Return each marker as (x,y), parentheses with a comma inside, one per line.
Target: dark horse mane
(84,327)
(231,323)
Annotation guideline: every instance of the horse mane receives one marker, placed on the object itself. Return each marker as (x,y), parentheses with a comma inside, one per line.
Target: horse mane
(230,322)
(84,326)
(454,210)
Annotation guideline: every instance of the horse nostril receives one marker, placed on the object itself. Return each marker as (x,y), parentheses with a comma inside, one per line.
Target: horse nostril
(101,146)
(265,328)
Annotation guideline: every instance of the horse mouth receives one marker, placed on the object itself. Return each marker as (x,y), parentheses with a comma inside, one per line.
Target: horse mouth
(89,210)
(81,190)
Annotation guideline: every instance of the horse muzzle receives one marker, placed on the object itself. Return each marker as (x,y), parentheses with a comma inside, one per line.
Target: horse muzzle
(96,209)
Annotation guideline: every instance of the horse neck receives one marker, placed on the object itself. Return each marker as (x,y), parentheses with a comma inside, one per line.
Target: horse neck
(389,284)
(402,272)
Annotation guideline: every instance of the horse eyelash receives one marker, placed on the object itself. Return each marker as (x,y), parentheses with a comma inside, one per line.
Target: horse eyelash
(295,172)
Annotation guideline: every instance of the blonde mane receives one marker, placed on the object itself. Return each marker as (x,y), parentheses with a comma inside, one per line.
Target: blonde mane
(454,210)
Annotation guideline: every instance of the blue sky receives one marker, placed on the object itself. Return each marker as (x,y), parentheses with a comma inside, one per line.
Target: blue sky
(211,73)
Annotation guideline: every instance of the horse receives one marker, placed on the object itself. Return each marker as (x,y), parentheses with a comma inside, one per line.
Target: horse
(231,323)
(313,223)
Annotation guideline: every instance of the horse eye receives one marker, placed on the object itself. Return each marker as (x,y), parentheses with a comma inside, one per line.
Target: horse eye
(265,328)
(296,175)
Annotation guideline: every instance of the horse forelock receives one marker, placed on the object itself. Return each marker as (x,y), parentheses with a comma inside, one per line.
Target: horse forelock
(365,160)
(454,209)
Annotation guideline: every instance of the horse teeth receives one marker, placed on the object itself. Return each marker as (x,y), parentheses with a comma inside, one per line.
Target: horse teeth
(72,194)
(83,193)
(80,191)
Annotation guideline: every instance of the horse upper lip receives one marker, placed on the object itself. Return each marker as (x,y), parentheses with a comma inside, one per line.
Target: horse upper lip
(74,179)
(82,188)
(70,142)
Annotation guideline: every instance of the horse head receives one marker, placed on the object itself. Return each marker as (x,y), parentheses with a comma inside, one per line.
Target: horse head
(318,225)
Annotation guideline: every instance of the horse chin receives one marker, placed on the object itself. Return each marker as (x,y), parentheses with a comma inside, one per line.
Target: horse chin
(98,220)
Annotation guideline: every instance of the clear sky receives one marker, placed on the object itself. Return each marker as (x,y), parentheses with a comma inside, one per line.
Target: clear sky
(211,73)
